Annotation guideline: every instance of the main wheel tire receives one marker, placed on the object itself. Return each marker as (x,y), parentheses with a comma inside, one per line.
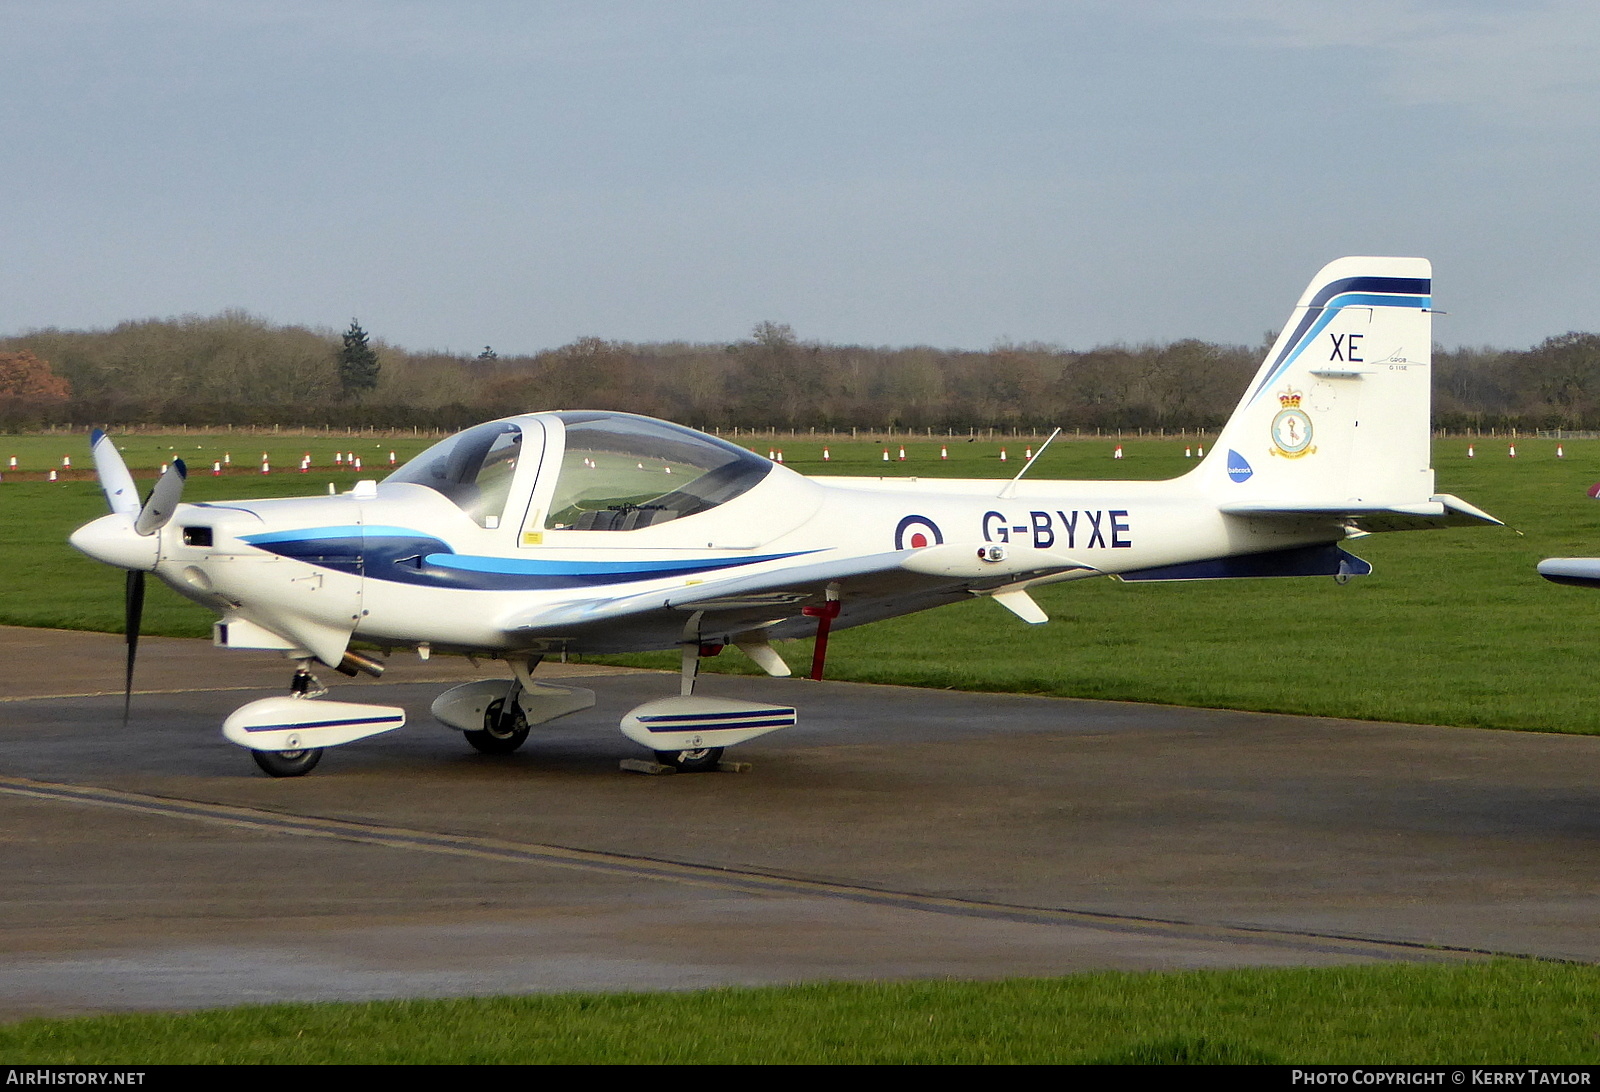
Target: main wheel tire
(496,738)
(288,763)
(699,761)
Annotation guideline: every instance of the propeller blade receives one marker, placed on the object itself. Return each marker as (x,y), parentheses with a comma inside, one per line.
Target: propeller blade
(163,500)
(115,481)
(132,617)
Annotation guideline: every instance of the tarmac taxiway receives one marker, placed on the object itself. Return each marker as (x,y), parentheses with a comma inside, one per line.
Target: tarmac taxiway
(895,833)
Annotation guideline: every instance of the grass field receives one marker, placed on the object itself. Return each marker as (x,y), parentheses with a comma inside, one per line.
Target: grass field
(1453,627)
(1505,1012)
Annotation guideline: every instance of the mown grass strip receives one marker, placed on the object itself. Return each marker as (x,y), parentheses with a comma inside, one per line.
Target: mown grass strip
(1504,1012)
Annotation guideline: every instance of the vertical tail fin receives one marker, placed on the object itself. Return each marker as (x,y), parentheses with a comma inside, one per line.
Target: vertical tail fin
(1339,412)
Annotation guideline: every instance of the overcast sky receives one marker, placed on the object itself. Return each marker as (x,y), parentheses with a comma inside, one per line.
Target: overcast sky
(887,173)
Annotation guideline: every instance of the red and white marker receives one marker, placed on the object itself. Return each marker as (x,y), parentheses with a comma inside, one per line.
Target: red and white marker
(1511,451)
(825,455)
(227,459)
(1471,453)
(944,452)
(216,469)
(391,458)
(1002,454)
(1188,453)
(1559,453)
(13,462)
(266,467)
(902,454)
(66,462)
(1117,454)
(885,454)
(52,475)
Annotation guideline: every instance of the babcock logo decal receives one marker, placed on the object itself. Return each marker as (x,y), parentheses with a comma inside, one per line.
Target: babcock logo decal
(1238,469)
(915,532)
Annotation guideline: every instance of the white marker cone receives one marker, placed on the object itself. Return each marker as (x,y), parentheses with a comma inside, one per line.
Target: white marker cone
(825,455)
(338,458)
(1188,453)
(1511,451)
(358,464)
(13,462)
(885,454)
(1199,453)
(1559,453)
(266,467)
(780,455)
(1471,454)
(52,475)
(902,454)
(391,458)
(66,462)
(216,469)
(1002,454)
(227,459)
(944,452)
(1117,454)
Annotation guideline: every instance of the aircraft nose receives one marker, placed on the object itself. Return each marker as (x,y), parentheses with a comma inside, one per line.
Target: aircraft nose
(112,540)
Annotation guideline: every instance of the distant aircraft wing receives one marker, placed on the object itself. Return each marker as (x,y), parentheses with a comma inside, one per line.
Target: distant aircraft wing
(1440,510)
(1583,572)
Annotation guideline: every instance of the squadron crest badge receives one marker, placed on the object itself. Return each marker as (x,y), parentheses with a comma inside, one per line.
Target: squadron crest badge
(1291,428)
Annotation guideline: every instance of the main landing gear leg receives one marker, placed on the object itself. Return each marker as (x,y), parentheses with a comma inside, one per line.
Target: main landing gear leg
(505,726)
(299,762)
(699,759)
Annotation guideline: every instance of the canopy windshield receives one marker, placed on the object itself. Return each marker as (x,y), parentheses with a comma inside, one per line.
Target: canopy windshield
(473,468)
(620,473)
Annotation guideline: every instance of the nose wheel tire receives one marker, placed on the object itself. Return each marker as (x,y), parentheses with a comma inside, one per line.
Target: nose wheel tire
(288,763)
(698,761)
(500,737)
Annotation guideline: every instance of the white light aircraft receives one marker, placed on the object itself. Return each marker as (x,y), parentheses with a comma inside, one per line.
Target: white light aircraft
(592,532)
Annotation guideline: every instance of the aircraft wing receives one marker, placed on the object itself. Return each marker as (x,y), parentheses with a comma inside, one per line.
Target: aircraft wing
(1440,510)
(870,587)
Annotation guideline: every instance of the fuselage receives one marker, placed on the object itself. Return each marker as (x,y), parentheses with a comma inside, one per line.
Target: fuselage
(402,563)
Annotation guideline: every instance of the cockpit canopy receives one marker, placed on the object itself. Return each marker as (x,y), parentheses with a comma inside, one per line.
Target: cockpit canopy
(474,469)
(616,471)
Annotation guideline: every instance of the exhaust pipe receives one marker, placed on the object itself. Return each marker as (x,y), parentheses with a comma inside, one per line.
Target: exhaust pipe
(354,663)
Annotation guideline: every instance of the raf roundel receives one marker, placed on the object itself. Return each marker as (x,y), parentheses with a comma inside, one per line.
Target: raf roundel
(915,532)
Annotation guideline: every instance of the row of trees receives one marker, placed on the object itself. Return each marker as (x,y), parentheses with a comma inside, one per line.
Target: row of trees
(236,368)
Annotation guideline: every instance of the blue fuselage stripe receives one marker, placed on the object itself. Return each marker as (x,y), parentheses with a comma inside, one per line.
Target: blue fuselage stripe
(403,556)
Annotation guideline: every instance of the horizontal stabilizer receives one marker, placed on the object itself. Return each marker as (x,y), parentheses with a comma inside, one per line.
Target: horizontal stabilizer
(1300,561)
(1439,510)
(1582,572)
